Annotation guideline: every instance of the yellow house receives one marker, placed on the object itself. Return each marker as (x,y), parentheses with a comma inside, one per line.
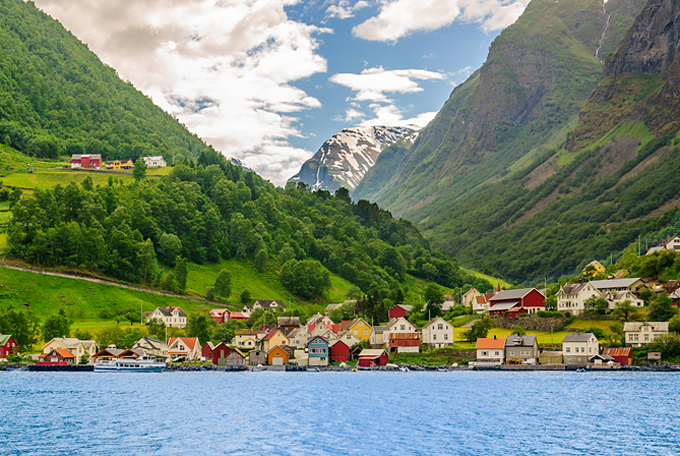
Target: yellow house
(127,165)
(114,165)
(359,328)
(597,268)
(274,338)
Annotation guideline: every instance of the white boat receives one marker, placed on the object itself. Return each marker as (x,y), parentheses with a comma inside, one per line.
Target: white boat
(142,364)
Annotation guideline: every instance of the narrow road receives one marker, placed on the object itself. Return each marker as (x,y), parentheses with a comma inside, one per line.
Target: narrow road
(20,267)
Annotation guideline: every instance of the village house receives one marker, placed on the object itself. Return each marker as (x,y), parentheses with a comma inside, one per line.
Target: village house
(490,351)
(470,295)
(236,358)
(218,354)
(634,285)
(275,338)
(597,268)
(579,348)
(7,346)
(377,339)
(359,327)
(398,311)
(669,243)
(317,351)
(187,347)
(207,350)
(401,336)
(318,319)
(638,334)
(277,356)
(572,296)
(155,162)
(257,357)
(59,356)
(218,315)
(372,358)
(86,161)
(513,303)
(449,302)
(327,331)
(266,304)
(339,351)
(108,354)
(298,337)
(348,338)
(78,348)
(437,333)
(551,357)
(397,325)
(246,338)
(617,297)
(623,356)
(152,347)
(482,303)
(521,350)
(173,317)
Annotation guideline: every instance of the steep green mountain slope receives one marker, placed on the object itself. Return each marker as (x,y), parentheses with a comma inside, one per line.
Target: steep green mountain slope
(57,97)
(538,74)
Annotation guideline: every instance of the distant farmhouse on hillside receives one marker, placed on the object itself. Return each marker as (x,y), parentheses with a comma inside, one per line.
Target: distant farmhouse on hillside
(670,243)
(90,161)
(155,162)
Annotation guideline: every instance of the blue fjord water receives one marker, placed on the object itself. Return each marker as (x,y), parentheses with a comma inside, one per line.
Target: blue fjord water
(215,413)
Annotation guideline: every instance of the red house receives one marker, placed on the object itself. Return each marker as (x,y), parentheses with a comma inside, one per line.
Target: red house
(513,303)
(93,161)
(7,346)
(372,358)
(623,356)
(207,350)
(400,310)
(339,352)
(220,353)
(57,357)
(218,315)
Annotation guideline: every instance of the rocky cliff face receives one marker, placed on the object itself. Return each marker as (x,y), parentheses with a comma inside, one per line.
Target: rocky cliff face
(343,160)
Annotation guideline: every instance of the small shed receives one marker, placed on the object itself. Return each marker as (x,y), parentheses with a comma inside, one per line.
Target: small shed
(400,310)
(655,356)
(7,346)
(601,359)
(277,356)
(339,352)
(623,356)
(373,358)
(219,354)
(550,357)
(236,358)
(207,350)
(256,357)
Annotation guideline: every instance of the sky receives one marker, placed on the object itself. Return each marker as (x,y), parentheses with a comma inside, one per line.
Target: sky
(268,81)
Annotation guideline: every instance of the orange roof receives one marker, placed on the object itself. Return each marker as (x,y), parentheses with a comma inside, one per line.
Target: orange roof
(618,351)
(190,342)
(62,351)
(490,344)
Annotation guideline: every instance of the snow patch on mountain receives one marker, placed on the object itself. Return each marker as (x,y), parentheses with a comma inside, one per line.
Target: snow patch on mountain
(343,160)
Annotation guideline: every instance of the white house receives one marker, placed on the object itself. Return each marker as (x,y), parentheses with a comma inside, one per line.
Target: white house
(617,297)
(481,303)
(348,338)
(401,336)
(247,338)
(318,319)
(638,334)
(670,243)
(437,333)
(77,347)
(579,348)
(376,339)
(470,295)
(571,297)
(633,285)
(170,316)
(448,303)
(155,162)
(184,346)
(151,346)
(490,351)
(298,337)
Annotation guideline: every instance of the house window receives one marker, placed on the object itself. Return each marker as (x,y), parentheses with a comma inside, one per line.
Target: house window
(440,326)
(402,327)
(434,337)
(646,337)
(356,332)
(446,337)
(497,354)
(568,350)
(485,353)
(365,332)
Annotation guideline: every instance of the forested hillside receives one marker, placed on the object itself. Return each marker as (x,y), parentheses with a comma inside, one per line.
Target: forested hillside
(214,210)
(57,97)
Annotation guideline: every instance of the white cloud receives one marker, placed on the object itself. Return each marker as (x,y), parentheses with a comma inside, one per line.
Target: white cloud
(344,10)
(223,68)
(399,18)
(391,115)
(372,83)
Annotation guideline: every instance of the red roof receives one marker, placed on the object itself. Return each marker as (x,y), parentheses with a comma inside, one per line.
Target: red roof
(271,334)
(490,344)
(613,352)
(237,316)
(345,323)
(217,312)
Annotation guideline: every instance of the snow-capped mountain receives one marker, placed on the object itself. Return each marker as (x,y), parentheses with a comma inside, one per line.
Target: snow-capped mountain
(237,162)
(343,160)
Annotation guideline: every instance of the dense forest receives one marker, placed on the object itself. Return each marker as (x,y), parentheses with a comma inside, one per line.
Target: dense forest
(212,210)
(57,97)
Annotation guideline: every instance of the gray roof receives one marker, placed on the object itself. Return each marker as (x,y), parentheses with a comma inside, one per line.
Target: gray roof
(636,326)
(520,341)
(371,352)
(504,305)
(573,337)
(615,283)
(167,311)
(378,329)
(267,304)
(551,354)
(511,294)
(330,307)
(573,288)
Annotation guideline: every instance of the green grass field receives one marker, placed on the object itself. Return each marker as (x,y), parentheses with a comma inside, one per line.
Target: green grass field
(48,178)
(492,280)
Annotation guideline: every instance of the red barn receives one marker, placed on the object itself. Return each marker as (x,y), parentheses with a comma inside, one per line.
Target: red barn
(86,161)
(339,352)
(220,354)
(400,310)
(218,315)
(207,350)
(58,356)
(373,358)
(623,356)
(7,346)
(512,303)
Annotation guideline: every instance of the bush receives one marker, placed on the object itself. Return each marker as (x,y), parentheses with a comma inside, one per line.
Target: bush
(549,314)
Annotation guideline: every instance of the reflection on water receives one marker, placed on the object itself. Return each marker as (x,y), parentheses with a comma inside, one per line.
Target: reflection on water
(475,413)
